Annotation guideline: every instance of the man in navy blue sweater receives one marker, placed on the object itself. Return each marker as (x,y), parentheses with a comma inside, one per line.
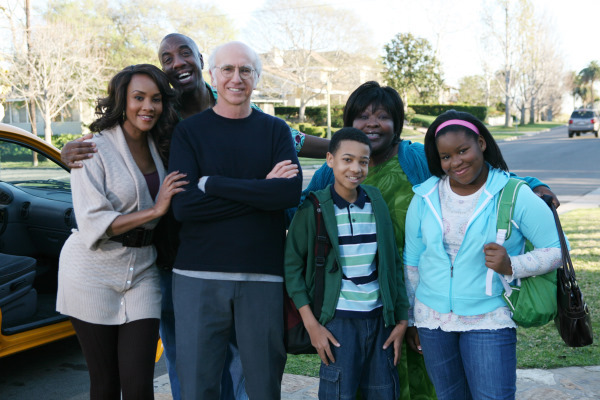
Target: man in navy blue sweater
(228,274)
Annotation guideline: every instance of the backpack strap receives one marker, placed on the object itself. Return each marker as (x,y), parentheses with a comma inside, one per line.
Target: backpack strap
(322,247)
(505,210)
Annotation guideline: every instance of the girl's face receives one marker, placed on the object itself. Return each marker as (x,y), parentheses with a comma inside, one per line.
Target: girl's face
(461,156)
(378,125)
(144,104)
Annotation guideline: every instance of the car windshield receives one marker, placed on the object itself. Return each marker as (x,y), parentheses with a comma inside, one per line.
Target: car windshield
(25,168)
(582,114)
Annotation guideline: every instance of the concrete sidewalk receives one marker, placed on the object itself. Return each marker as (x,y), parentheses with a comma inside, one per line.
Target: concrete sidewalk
(574,383)
(532,384)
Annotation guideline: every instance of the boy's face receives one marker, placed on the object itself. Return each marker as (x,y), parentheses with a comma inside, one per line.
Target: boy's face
(350,165)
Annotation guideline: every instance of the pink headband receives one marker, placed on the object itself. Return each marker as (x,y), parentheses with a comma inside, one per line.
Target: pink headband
(457,122)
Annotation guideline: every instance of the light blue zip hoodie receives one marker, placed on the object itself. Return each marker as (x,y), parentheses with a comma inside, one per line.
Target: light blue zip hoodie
(461,288)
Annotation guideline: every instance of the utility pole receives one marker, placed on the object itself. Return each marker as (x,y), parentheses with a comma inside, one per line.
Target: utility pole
(328,107)
(32,108)
(507,67)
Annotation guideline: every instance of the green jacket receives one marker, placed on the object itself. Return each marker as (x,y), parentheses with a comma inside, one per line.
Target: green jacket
(300,261)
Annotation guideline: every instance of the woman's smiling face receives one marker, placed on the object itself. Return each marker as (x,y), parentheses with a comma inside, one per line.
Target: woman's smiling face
(144,104)
(377,124)
(461,157)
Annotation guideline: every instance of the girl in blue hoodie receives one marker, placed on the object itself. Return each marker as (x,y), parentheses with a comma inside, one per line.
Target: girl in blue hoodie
(453,264)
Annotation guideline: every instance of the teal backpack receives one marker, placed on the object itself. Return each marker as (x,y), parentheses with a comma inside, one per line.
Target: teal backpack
(532,300)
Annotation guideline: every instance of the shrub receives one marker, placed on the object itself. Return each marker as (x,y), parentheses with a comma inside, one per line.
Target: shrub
(60,140)
(13,152)
(315,131)
(422,120)
(286,112)
(318,115)
(437,109)
(315,115)
(410,114)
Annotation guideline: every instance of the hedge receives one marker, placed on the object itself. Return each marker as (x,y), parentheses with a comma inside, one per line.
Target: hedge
(14,152)
(422,120)
(315,131)
(289,112)
(437,109)
(316,115)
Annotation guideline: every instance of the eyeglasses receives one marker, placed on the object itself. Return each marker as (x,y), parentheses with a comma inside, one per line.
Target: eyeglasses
(229,70)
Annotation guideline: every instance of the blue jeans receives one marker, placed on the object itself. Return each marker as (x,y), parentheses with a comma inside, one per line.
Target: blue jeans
(232,381)
(479,364)
(360,361)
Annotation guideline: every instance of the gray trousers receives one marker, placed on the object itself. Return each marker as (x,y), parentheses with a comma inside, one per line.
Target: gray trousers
(205,313)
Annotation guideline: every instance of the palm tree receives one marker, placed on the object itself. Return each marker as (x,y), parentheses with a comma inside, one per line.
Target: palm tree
(590,74)
(578,88)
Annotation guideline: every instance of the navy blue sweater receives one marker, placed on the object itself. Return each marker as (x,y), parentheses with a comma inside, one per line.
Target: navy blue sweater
(238,224)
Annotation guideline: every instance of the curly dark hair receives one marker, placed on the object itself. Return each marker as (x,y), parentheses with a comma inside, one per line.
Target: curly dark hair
(111,109)
(492,153)
(372,94)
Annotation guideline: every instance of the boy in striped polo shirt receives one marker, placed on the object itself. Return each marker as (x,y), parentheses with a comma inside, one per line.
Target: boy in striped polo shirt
(364,313)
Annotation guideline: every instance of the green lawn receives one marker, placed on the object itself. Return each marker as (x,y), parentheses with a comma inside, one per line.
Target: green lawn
(541,347)
(520,129)
(310,162)
(498,132)
(43,163)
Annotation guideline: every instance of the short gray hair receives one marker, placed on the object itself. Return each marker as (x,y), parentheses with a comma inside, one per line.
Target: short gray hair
(256,64)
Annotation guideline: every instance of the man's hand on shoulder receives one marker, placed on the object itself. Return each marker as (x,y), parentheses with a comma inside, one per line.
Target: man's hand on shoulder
(76,150)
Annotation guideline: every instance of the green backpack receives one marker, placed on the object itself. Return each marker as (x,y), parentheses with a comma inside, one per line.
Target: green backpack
(532,300)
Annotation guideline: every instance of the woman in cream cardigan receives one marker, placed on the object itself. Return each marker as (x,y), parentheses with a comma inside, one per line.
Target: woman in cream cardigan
(108,283)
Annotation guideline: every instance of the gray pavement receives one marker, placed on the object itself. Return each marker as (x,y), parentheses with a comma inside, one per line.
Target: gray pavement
(532,384)
(573,383)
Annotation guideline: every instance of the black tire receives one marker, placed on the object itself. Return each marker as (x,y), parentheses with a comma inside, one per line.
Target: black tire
(578,134)
(596,133)
(570,134)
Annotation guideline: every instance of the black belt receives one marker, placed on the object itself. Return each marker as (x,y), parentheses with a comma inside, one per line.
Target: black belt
(137,237)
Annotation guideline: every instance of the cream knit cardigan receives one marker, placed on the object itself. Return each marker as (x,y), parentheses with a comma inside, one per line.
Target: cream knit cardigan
(101,281)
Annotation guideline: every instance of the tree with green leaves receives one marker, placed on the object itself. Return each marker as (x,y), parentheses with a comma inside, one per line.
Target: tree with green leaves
(577,88)
(589,75)
(411,66)
(472,90)
(130,30)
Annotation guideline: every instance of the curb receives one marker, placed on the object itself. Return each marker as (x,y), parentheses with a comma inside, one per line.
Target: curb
(590,200)
(527,134)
